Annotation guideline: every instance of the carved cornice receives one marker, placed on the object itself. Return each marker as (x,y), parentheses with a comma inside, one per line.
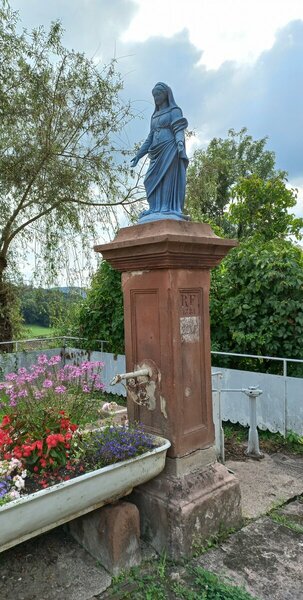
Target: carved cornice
(166,244)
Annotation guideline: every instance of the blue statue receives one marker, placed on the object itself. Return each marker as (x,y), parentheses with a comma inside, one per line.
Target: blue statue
(166,175)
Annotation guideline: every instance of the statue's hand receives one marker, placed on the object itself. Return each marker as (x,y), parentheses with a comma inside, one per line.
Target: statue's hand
(134,161)
(180,147)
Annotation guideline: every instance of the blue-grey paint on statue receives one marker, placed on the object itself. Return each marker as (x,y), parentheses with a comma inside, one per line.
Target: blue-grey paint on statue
(166,175)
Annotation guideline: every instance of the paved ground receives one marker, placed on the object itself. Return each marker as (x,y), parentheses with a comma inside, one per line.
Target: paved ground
(265,556)
(265,483)
(50,567)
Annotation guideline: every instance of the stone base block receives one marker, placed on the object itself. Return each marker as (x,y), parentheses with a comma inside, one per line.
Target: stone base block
(178,513)
(111,534)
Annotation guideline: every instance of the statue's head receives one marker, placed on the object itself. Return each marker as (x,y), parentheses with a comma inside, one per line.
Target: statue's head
(160,93)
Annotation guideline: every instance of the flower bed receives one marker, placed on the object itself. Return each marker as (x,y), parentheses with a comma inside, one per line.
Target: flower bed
(51,469)
(36,513)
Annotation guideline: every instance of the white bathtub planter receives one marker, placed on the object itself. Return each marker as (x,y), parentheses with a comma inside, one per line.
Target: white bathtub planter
(36,513)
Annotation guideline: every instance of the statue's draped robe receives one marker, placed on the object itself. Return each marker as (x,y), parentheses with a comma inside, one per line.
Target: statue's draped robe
(166,176)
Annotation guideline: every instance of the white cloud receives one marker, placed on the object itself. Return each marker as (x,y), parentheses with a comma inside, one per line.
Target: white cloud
(298,184)
(224,29)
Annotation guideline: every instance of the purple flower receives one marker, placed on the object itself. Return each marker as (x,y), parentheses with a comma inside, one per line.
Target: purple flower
(54,360)
(4,487)
(22,371)
(47,383)
(120,443)
(10,376)
(42,359)
(99,385)
(60,389)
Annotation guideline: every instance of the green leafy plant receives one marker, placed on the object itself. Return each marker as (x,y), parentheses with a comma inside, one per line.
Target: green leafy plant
(101,313)
(286,521)
(195,584)
(256,304)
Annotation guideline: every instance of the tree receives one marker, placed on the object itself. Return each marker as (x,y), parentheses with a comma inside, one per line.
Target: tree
(261,206)
(47,307)
(101,314)
(256,300)
(60,171)
(213,173)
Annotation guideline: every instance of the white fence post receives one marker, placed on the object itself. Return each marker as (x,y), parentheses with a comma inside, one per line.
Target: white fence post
(253,449)
(217,417)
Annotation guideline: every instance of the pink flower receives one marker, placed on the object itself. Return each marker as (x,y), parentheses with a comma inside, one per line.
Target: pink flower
(54,360)
(22,371)
(38,395)
(11,377)
(85,389)
(99,386)
(37,370)
(47,383)
(42,359)
(60,389)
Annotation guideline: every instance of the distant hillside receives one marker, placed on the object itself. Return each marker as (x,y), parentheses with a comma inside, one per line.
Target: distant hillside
(71,290)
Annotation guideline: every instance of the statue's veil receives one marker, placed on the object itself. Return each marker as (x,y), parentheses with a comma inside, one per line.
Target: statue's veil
(170,96)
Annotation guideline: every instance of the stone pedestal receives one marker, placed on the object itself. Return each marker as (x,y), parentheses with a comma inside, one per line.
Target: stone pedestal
(166,277)
(111,534)
(178,514)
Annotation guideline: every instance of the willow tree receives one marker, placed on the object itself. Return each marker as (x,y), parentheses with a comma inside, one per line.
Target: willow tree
(61,161)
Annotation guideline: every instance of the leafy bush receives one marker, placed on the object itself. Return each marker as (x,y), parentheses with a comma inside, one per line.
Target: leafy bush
(101,314)
(256,300)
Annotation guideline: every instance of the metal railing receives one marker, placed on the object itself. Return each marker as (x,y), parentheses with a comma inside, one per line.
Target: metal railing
(281,359)
(17,344)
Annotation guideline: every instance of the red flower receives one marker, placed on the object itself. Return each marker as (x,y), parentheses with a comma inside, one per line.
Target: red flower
(17,452)
(73,427)
(39,444)
(36,469)
(54,439)
(43,462)
(27,450)
(5,421)
(61,412)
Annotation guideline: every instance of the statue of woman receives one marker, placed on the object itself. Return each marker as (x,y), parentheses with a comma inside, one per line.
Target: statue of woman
(166,175)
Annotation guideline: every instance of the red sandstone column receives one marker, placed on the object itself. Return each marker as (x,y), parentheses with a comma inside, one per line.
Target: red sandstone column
(166,278)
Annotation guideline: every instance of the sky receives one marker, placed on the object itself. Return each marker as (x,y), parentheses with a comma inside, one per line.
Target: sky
(230,63)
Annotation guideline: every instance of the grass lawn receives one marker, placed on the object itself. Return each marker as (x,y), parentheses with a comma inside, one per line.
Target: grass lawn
(37,331)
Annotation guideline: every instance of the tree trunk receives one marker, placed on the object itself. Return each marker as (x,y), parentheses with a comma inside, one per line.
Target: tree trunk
(6,331)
